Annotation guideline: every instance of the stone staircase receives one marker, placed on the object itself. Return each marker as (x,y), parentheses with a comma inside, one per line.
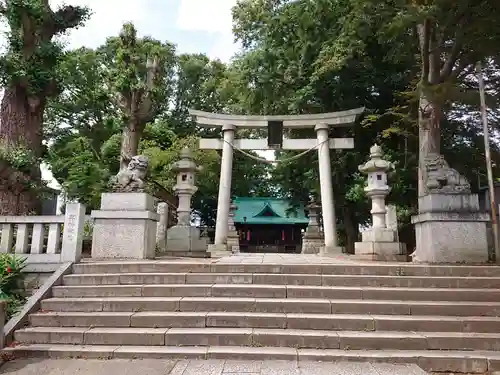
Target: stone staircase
(443,318)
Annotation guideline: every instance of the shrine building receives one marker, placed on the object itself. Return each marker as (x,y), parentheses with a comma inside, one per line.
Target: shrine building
(268,225)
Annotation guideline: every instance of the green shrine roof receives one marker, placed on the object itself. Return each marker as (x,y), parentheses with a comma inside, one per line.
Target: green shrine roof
(267,211)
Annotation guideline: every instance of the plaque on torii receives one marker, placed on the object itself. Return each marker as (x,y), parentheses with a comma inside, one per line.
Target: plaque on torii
(276,140)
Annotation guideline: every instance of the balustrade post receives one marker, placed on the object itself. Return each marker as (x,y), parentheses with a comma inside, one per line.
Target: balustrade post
(72,241)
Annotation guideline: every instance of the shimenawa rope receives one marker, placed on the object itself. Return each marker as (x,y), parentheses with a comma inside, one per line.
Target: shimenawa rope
(278,160)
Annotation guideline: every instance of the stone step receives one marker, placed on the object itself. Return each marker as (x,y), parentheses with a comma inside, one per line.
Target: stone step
(290,338)
(282,279)
(187,254)
(272,305)
(343,322)
(173,266)
(464,362)
(279,291)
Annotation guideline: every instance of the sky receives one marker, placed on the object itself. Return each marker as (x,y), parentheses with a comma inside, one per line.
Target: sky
(195,26)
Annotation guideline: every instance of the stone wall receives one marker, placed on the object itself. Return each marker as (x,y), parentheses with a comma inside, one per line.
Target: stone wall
(34,280)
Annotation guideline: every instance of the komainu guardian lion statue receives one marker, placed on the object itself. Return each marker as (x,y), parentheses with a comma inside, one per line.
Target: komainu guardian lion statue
(131,180)
(440,178)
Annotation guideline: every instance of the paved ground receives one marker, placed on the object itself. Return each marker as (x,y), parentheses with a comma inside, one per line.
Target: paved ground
(267,258)
(210,367)
(270,258)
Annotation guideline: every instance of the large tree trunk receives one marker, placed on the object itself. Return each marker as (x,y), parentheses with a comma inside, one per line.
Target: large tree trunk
(351,229)
(21,126)
(430,111)
(130,144)
(429,136)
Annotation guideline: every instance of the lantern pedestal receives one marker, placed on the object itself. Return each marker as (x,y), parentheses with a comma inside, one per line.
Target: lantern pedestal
(312,243)
(380,244)
(186,241)
(233,242)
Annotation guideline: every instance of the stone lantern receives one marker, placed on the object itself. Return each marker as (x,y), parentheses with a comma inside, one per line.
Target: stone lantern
(378,242)
(313,239)
(377,189)
(233,240)
(185,187)
(184,239)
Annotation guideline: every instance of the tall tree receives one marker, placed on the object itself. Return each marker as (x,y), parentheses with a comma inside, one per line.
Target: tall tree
(451,37)
(141,75)
(198,84)
(29,75)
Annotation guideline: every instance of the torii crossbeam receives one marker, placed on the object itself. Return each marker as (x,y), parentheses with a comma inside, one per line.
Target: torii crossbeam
(276,141)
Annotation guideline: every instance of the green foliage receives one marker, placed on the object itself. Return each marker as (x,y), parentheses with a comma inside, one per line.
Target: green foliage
(19,158)
(140,72)
(32,56)
(11,283)
(86,151)
(83,174)
(19,161)
(279,74)
(199,84)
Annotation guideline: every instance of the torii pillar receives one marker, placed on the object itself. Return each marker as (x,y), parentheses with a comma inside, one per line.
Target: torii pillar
(276,141)
(224,200)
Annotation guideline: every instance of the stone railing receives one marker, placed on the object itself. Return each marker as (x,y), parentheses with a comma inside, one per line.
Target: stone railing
(45,239)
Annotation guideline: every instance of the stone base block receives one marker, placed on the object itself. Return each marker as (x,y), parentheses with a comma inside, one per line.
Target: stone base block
(380,258)
(127,202)
(186,254)
(233,242)
(233,245)
(378,235)
(184,240)
(125,227)
(312,245)
(451,237)
(380,251)
(448,203)
(331,251)
(219,251)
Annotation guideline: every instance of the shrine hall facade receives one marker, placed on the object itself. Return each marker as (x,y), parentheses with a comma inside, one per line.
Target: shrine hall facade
(268,225)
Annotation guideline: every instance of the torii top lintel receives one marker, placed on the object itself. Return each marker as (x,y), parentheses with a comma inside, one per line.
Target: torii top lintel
(342,118)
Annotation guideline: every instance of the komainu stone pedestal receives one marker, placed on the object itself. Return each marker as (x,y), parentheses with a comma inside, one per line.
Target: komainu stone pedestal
(450,229)
(186,241)
(125,226)
(380,244)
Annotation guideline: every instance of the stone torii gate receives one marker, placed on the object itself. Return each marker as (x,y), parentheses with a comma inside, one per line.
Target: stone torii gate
(276,141)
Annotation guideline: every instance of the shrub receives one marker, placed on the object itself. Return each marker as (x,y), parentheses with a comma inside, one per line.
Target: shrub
(12,283)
